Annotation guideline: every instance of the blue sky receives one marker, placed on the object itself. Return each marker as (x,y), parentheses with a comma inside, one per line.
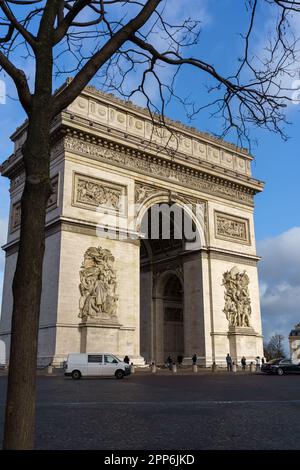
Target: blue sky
(277,162)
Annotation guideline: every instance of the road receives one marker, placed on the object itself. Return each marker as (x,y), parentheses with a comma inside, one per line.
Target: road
(195,412)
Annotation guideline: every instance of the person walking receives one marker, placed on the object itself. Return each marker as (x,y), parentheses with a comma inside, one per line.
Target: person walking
(126,359)
(179,359)
(194,359)
(258,364)
(229,362)
(243,362)
(169,361)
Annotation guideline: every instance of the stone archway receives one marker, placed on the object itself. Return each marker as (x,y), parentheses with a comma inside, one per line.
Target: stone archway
(170,321)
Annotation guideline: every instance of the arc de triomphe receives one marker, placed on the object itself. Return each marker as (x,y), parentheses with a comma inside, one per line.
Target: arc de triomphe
(107,285)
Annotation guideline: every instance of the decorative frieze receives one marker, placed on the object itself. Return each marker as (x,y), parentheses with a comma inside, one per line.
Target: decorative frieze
(163,169)
(144,191)
(232,228)
(95,193)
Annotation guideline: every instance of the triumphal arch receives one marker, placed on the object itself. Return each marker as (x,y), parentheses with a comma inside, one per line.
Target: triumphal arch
(150,245)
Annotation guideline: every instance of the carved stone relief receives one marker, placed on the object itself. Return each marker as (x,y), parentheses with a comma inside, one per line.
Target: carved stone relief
(51,204)
(161,169)
(143,191)
(53,198)
(17,181)
(229,227)
(98,286)
(93,193)
(198,206)
(16,216)
(237,300)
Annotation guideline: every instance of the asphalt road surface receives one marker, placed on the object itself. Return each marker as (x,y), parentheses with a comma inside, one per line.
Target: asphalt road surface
(207,411)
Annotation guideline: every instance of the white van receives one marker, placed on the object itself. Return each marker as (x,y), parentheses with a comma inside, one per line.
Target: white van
(95,364)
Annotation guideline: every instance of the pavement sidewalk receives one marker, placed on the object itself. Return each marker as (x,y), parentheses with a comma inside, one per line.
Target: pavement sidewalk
(59,372)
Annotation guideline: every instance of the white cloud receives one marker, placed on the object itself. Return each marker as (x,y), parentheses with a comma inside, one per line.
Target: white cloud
(279,274)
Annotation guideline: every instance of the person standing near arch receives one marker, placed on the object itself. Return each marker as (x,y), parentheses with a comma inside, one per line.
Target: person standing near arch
(229,362)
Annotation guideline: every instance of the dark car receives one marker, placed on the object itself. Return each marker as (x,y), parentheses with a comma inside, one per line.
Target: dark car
(281,366)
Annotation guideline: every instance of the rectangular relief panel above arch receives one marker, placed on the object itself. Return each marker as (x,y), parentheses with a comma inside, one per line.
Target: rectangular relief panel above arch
(100,195)
(232,228)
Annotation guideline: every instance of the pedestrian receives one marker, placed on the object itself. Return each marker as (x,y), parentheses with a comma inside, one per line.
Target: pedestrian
(243,362)
(258,363)
(194,359)
(126,359)
(262,361)
(179,359)
(169,362)
(229,362)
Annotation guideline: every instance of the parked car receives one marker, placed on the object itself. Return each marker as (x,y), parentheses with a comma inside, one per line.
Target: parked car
(101,364)
(280,366)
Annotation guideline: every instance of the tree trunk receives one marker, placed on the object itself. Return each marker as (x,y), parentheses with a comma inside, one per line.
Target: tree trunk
(27,283)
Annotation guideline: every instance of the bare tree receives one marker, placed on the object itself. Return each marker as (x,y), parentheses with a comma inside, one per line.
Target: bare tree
(119,36)
(274,349)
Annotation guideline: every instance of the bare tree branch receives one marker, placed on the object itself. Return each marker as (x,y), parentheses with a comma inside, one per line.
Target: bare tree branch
(16,24)
(100,57)
(20,80)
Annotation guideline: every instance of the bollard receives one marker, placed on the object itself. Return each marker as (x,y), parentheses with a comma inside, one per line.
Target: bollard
(195,368)
(214,367)
(252,367)
(50,369)
(233,367)
(174,368)
(132,368)
(153,368)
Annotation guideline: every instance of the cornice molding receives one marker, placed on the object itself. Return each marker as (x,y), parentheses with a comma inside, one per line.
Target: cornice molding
(67,224)
(230,256)
(161,168)
(188,150)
